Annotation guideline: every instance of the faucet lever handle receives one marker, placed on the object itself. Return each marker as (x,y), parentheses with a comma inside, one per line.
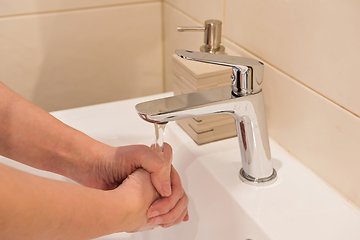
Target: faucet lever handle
(247,74)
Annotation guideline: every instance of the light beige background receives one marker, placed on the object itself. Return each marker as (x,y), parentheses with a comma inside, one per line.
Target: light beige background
(62,54)
(59,56)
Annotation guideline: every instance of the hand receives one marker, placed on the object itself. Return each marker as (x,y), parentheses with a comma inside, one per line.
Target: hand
(171,210)
(138,193)
(117,163)
(116,166)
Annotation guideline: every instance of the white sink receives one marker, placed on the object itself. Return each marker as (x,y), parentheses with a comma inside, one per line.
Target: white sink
(298,205)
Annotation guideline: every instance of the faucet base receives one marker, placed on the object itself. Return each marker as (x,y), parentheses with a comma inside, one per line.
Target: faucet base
(260,182)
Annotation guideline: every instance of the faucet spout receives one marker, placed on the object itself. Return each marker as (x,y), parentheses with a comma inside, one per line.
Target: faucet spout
(250,120)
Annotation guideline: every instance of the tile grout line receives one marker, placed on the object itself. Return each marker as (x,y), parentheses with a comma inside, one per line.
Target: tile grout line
(298,81)
(223,20)
(184,13)
(76,9)
(163,45)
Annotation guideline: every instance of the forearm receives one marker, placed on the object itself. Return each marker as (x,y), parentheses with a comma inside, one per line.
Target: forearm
(47,209)
(32,136)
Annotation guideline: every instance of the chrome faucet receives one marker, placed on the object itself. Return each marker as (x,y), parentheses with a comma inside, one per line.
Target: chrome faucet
(243,100)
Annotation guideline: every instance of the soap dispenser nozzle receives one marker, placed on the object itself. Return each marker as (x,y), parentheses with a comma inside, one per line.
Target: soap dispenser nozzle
(212,36)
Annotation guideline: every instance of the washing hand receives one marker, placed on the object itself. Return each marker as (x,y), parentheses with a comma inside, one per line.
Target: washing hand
(120,162)
(172,210)
(139,194)
(45,143)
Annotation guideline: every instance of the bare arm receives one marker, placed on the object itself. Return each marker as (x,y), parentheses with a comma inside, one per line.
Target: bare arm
(32,136)
(32,207)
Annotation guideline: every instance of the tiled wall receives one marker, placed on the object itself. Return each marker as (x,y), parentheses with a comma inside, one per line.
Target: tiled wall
(312,89)
(62,53)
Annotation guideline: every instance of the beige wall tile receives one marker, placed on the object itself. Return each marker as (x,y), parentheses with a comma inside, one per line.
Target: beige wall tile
(316,42)
(78,58)
(177,40)
(10,7)
(200,10)
(324,136)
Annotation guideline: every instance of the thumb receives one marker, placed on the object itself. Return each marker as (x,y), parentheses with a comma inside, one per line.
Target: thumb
(160,177)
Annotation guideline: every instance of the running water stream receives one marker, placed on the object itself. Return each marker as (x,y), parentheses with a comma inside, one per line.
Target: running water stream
(159,137)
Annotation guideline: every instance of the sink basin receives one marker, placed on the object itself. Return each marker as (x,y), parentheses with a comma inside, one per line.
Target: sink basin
(299,205)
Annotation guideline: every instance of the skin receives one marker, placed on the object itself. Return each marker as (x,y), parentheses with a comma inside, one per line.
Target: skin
(38,208)
(117,193)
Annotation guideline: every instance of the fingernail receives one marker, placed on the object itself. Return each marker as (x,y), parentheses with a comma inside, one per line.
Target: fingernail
(153,214)
(167,189)
(157,220)
(167,225)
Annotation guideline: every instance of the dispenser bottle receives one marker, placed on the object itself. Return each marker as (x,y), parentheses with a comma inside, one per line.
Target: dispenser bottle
(189,76)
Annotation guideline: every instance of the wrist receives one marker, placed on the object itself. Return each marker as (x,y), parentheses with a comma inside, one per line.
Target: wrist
(79,158)
(86,168)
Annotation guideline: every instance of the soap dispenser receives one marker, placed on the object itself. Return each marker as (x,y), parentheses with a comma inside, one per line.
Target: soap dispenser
(189,76)
(212,36)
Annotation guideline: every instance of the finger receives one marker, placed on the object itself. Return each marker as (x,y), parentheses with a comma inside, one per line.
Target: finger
(177,221)
(158,165)
(164,205)
(174,213)
(186,218)
(168,153)
(160,172)
(147,227)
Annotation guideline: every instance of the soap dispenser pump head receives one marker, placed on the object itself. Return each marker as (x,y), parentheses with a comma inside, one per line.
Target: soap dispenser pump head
(212,36)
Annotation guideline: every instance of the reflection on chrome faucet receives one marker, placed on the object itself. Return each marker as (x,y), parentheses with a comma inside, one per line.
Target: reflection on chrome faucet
(243,100)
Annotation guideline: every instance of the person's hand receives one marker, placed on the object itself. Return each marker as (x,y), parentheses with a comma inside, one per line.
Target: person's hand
(138,194)
(120,162)
(117,163)
(171,210)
